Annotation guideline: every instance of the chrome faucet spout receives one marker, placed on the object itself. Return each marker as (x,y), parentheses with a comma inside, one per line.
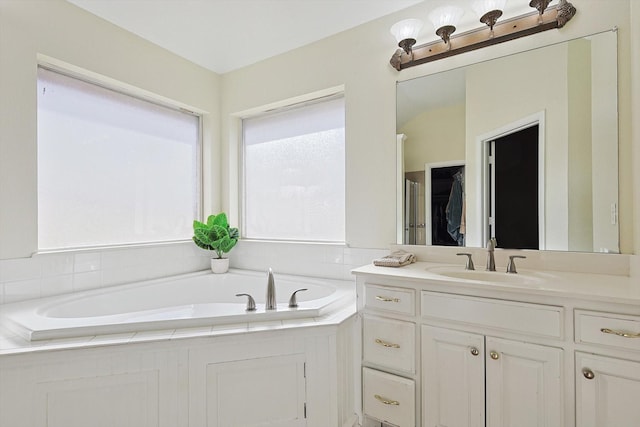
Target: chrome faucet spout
(270,302)
(491,261)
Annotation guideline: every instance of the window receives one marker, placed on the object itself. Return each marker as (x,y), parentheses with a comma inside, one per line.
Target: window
(112,168)
(294,173)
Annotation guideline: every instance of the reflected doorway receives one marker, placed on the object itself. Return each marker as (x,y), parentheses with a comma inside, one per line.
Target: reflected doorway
(445,197)
(513,189)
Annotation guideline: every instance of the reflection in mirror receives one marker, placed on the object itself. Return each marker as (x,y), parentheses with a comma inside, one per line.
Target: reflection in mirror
(533,139)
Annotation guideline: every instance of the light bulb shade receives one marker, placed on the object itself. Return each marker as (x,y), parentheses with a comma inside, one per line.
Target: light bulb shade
(481,7)
(407,29)
(446,16)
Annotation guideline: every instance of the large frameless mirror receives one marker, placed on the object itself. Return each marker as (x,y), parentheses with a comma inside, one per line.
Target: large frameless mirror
(522,148)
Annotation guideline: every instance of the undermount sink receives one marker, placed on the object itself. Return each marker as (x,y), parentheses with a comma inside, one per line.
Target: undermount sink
(489,276)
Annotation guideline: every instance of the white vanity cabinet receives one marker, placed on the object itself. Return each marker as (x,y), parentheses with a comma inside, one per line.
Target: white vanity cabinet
(518,382)
(499,356)
(607,385)
(389,357)
(465,374)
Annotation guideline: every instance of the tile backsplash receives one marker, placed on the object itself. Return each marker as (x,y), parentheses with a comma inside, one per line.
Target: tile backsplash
(65,272)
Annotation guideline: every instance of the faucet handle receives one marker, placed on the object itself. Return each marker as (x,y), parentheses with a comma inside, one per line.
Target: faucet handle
(293,303)
(469,265)
(511,266)
(251,303)
(492,243)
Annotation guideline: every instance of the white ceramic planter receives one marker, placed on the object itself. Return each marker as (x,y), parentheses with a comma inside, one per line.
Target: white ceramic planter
(219,265)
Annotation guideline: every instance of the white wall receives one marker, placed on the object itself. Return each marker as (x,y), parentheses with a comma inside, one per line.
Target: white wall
(66,33)
(634,68)
(436,135)
(604,152)
(496,99)
(357,59)
(580,147)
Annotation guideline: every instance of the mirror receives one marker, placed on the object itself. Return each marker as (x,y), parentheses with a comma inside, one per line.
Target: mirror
(467,175)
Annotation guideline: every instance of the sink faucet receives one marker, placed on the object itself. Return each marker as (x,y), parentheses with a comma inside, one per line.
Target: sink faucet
(270,302)
(491,261)
(511,266)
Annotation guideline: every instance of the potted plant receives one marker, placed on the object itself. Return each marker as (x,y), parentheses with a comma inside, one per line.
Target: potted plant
(216,235)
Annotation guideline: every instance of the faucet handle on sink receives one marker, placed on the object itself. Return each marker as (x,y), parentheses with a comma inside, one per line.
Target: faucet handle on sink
(469,265)
(511,266)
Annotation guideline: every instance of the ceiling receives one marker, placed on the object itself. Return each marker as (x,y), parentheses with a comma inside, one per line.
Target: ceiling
(224,35)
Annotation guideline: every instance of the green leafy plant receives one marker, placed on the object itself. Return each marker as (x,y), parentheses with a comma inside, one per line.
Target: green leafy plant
(215,234)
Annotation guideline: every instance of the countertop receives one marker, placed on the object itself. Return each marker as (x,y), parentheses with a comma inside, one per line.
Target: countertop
(594,287)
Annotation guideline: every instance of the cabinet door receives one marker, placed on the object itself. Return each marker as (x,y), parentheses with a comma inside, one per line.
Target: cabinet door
(607,391)
(257,392)
(452,378)
(523,385)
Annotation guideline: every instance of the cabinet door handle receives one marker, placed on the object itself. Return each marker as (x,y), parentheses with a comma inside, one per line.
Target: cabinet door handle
(619,333)
(588,373)
(494,355)
(387,299)
(386,344)
(386,401)
(475,351)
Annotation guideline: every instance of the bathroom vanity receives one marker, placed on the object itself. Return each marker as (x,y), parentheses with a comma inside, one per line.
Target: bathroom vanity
(444,346)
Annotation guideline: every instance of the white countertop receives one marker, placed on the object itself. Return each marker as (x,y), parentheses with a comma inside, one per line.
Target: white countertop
(597,287)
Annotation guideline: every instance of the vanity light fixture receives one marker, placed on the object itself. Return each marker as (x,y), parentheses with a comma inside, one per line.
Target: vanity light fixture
(541,5)
(406,32)
(489,11)
(446,18)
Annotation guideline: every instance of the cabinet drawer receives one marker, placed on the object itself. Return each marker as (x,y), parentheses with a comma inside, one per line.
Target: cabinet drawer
(389,398)
(614,330)
(389,343)
(532,319)
(393,300)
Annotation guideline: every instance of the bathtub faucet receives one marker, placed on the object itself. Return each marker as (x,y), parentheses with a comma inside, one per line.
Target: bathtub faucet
(270,302)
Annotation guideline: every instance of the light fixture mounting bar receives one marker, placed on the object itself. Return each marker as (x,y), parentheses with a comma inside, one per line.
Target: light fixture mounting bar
(521,26)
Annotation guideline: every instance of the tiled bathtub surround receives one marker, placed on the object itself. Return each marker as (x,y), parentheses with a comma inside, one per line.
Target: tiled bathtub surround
(57,273)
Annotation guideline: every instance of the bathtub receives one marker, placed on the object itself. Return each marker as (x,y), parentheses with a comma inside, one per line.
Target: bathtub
(192,300)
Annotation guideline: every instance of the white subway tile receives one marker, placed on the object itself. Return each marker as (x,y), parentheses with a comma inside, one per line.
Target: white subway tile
(21,290)
(56,285)
(334,254)
(56,264)
(20,269)
(118,276)
(87,261)
(86,281)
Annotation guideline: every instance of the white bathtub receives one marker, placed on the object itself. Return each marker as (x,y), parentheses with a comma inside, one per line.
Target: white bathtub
(192,300)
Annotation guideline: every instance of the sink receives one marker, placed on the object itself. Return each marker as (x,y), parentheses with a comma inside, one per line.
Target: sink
(456,272)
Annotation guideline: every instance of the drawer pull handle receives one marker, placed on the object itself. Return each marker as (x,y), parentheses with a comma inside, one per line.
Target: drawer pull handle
(494,355)
(386,344)
(387,299)
(619,333)
(474,351)
(588,373)
(386,401)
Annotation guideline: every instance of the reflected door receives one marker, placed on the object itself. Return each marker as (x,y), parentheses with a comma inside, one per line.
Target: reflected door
(513,166)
